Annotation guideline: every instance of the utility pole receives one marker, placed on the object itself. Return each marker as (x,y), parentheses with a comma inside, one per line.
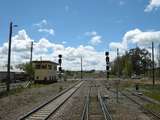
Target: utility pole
(118,81)
(158,58)
(31,53)
(9,57)
(81,69)
(153,64)
(31,76)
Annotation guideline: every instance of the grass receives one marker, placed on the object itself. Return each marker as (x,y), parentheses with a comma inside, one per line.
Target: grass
(152,92)
(148,89)
(126,85)
(60,88)
(11,92)
(153,107)
(19,89)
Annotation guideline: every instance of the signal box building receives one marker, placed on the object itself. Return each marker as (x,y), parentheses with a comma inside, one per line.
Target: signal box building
(45,71)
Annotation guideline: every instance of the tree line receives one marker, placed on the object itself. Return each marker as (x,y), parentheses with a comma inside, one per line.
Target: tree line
(136,61)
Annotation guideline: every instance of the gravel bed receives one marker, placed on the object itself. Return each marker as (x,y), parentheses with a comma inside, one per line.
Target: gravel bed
(16,105)
(125,109)
(72,109)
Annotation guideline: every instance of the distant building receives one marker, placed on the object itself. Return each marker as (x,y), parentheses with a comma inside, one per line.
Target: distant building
(15,74)
(45,71)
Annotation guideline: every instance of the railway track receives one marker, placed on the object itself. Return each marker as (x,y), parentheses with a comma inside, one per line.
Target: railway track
(85,112)
(95,106)
(104,107)
(145,98)
(154,115)
(44,111)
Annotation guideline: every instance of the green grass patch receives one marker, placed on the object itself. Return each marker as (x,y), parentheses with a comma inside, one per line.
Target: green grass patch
(153,107)
(126,85)
(37,85)
(11,92)
(19,89)
(152,92)
(155,95)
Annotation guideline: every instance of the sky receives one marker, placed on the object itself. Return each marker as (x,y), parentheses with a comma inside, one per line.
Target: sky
(77,28)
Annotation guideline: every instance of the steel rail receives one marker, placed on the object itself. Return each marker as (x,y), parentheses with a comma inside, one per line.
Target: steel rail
(145,98)
(104,107)
(85,113)
(147,110)
(42,106)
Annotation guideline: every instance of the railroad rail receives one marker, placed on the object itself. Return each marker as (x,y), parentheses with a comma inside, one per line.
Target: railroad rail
(145,98)
(85,113)
(104,107)
(44,111)
(99,102)
(139,104)
(157,117)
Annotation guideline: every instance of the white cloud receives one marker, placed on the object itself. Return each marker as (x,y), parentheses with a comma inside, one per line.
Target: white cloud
(49,51)
(43,26)
(153,4)
(50,31)
(41,23)
(64,42)
(95,38)
(137,36)
(121,3)
(66,8)
(142,38)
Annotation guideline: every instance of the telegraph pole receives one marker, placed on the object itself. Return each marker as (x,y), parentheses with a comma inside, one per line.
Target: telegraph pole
(117,89)
(81,69)
(9,57)
(31,53)
(153,64)
(31,76)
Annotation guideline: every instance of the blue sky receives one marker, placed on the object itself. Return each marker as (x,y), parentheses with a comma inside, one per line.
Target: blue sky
(72,22)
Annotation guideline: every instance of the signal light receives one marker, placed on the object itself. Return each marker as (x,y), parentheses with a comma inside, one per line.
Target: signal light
(107,59)
(60,69)
(60,61)
(106,53)
(107,64)
(107,68)
(60,56)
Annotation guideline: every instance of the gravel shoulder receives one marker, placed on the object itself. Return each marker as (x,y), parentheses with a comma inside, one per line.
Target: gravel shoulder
(72,109)
(16,105)
(125,109)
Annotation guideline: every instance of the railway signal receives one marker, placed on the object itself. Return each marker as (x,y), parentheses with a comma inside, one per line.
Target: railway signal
(60,63)
(107,64)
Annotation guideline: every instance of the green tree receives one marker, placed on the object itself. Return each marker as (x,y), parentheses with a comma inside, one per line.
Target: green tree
(28,68)
(141,60)
(136,61)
